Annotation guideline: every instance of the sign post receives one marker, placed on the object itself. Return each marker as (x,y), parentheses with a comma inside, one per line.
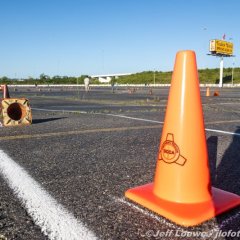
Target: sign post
(221,73)
(233,65)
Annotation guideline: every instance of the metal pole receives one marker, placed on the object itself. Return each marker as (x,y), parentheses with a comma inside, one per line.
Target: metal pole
(233,69)
(154,77)
(221,73)
(78,88)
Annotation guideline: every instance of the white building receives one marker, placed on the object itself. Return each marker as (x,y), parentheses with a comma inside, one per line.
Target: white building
(106,78)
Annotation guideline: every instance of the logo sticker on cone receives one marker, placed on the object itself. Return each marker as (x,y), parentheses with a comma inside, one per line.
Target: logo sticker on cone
(170,152)
(181,190)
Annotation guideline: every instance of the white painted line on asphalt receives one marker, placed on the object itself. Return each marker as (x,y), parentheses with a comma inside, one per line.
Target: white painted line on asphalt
(133,118)
(229,220)
(147,120)
(160,219)
(53,219)
(145,212)
(220,131)
(139,119)
(166,222)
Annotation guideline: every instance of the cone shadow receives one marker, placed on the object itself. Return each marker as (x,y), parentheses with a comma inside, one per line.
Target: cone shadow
(228,170)
(212,144)
(228,178)
(37,121)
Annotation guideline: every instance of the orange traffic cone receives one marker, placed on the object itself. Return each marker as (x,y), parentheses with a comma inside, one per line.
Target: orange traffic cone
(216,94)
(4,88)
(208,92)
(181,190)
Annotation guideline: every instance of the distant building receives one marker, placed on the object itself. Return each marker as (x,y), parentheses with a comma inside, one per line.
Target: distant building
(106,78)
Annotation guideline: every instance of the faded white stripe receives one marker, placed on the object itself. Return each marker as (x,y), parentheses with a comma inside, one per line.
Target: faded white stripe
(145,212)
(53,219)
(147,120)
(133,118)
(220,131)
(140,119)
(164,221)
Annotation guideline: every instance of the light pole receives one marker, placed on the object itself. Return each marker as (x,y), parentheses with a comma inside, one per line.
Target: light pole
(233,63)
(78,89)
(154,77)
(221,73)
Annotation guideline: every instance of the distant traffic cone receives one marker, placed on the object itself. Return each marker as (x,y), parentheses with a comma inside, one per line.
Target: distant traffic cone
(216,94)
(4,88)
(208,92)
(181,190)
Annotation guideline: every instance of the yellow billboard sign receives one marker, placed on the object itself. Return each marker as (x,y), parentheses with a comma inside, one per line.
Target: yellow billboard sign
(221,47)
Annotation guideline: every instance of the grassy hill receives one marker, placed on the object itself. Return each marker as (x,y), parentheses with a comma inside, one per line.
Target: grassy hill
(147,77)
(205,76)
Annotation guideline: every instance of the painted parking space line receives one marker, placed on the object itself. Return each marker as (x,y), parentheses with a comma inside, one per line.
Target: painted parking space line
(145,120)
(132,118)
(143,211)
(223,132)
(53,219)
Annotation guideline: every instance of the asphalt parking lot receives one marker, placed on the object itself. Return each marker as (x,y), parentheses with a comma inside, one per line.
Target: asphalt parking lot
(86,149)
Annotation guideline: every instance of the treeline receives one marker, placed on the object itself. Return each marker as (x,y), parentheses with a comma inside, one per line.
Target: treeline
(44,79)
(147,77)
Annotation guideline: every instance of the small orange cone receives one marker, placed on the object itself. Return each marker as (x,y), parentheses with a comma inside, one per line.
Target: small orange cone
(4,88)
(208,92)
(216,94)
(182,190)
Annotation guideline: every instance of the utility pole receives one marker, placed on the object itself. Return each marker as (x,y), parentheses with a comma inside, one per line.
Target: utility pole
(221,73)
(233,69)
(78,89)
(233,63)
(154,82)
